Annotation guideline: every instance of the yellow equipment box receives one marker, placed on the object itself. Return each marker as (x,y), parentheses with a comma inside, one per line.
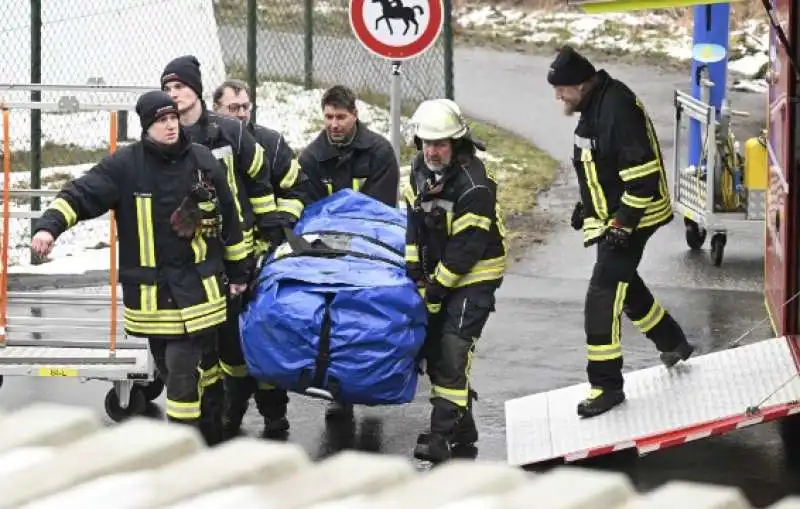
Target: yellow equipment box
(755,164)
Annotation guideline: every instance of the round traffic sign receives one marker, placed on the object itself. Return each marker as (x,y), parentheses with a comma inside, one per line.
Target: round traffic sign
(397,29)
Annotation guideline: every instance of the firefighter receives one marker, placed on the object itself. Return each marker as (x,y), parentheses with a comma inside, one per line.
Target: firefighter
(181,249)
(624,200)
(248,175)
(456,252)
(233,98)
(346,154)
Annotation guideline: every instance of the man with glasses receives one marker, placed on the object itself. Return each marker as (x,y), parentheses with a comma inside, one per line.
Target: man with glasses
(233,99)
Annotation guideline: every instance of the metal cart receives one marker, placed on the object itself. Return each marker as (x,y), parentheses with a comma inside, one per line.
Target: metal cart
(718,191)
(70,333)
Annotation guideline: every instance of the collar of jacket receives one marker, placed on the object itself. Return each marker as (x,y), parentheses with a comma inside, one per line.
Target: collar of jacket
(169,152)
(598,84)
(361,141)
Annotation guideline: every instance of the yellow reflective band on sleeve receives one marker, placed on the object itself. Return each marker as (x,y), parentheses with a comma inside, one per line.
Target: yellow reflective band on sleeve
(288,181)
(457,396)
(61,206)
(358,183)
(636,202)
(290,206)
(658,211)
(640,171)
(144,224)
(183,411)
(231,174)
(238,371)
(257,162)
(236,252)
(206,206)
(483,271)
(593,183)
(200,248)
(263,204)
(470,219)
(409,195)
(412,253)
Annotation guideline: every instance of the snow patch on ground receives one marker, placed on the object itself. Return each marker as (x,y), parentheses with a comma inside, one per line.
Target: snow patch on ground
(639,32)
(288,108)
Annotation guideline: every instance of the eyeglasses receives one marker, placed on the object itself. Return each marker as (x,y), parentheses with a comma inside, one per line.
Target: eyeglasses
(236,107)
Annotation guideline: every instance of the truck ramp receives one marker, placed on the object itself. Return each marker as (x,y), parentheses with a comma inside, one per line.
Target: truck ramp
(708,395)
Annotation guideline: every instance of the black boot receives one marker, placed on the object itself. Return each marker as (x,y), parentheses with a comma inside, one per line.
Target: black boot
(339,412)
(600,401)
(681,353)
(272,405)
(466,432)
(432,447)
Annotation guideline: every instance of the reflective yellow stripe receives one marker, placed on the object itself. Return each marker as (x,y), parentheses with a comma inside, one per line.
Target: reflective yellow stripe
(183,410)
(619,303)
(600,353)
(358,183)
(409,195)
(485,270)
(144,224)
(637,172)
(200,248)
(329,188)
(290,206)
(236,252)
(593,183)
(205,322)
(264,386)
(263,204)
(457,396)
(289,180)
(239,371)
(470,219)
(658,212)
(651,319)
(209,377)
(231,175)
(636,202)
(257,162)
(412,253)
(148,298)
(206,206)
(61,206)
(592,229)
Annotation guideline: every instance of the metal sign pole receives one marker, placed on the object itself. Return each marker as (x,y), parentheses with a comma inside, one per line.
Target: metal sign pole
(395,101)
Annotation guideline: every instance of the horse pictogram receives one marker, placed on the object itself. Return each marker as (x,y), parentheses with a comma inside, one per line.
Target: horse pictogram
(394,9)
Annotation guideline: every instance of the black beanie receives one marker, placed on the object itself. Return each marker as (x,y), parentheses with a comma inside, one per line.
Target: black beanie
(153,105)
(185,69)
(569,68)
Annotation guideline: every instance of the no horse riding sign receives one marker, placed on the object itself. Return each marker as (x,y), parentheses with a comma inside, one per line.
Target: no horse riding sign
(397,29)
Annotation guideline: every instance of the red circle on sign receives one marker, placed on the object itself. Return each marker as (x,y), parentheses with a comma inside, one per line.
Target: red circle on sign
(424,40)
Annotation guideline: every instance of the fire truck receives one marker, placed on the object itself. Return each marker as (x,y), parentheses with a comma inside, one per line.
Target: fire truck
(743,385)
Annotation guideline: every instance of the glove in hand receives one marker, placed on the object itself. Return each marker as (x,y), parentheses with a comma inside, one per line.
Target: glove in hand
(577,216)
(617,236)
(186,218)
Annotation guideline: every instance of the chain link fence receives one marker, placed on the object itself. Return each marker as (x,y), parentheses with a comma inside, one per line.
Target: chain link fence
(311,42)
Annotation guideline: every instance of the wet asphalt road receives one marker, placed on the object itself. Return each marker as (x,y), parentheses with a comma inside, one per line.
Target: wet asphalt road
(535,340)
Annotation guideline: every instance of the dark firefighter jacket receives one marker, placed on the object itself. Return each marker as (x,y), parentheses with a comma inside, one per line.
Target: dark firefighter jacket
(171,285)
(618,162)
(456,235)
(368,164)
(247,170)
(286,178)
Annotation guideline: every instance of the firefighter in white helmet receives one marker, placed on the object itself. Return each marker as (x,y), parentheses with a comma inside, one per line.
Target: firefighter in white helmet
(456,252)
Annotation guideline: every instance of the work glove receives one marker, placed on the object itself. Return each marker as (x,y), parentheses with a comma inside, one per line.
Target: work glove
(617,236)
(186,218)
(275,236)
(434,295)
(577,216)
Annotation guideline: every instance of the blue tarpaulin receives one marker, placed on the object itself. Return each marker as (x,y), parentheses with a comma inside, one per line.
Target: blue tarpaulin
(343,280)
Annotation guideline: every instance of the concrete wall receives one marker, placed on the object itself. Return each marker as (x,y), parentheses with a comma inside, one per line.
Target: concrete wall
(61,456)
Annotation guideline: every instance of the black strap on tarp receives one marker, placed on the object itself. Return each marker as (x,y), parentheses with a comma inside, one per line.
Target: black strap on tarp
(301,247)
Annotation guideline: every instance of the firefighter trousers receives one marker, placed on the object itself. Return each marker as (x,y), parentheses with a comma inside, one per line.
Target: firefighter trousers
(615,288)
(188,365)
(239,385)
(449,348)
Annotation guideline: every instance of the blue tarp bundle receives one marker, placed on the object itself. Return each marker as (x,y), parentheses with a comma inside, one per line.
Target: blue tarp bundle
(353,286)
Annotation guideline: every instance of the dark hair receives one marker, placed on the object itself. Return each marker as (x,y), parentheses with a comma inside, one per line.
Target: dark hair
(234,84)
(339,96)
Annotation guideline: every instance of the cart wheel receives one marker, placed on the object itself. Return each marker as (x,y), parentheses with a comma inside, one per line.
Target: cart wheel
(695,236)
(152,390)
(717,248)
(136,404)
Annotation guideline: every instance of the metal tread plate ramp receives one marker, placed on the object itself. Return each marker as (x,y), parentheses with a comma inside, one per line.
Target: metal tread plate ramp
(707,395)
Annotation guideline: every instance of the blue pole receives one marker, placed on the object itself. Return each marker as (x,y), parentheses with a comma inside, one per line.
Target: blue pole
(711,26)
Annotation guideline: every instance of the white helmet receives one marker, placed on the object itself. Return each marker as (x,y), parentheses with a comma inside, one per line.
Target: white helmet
(438,119)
